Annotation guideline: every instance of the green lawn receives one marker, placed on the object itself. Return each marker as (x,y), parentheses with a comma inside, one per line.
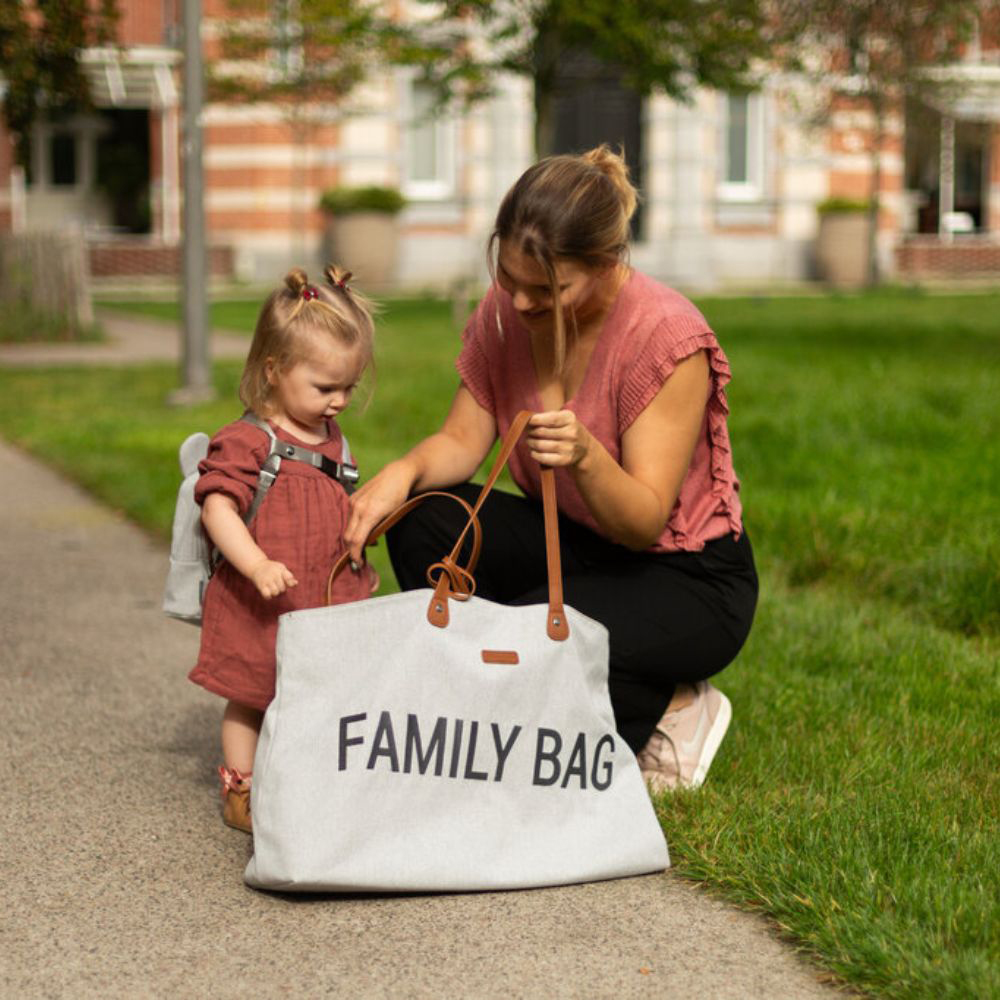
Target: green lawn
(237,314)
(856,797)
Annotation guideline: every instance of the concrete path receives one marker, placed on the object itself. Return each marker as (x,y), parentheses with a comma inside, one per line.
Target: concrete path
(130,340)
(120,879)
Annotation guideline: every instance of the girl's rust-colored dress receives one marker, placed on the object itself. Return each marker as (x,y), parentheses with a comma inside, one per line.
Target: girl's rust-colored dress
(300,523)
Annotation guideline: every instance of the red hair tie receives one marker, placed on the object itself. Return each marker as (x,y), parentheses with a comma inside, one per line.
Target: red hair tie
(310,292)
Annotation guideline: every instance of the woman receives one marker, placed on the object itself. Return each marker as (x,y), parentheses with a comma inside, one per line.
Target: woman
(627,381)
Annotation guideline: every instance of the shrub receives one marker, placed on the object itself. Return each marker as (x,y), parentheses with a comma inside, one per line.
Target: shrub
(843,206)
(348,200)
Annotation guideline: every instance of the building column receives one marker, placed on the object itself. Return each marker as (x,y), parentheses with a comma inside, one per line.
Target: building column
(991,209)
(946,187)
(170,191)
(18,199)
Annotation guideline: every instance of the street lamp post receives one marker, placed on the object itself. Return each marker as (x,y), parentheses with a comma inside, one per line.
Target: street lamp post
(196,370)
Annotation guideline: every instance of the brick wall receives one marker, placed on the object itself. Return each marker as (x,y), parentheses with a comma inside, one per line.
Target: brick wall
(122,259)
(145,23)
(850,141)
(967,257)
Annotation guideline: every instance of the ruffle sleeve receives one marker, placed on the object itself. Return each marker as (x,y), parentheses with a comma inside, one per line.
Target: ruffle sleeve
(232,465)
(472,362)
(664,350)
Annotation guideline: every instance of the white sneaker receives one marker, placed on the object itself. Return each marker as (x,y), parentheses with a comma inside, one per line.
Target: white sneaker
(680,751)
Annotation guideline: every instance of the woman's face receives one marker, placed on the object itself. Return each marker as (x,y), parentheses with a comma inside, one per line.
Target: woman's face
(526,281)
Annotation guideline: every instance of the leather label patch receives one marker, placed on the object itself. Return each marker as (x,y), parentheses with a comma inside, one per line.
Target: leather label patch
(505,656)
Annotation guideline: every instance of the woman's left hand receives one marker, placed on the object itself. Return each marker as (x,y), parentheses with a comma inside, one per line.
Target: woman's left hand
(558,438)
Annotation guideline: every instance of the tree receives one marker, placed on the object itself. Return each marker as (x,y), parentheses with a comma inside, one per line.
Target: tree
(40,41)
(295,52)
(305,56)
(877,53)
(673,45)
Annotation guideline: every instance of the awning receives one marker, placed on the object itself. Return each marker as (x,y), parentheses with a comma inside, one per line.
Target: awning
(140,77)
(968,91)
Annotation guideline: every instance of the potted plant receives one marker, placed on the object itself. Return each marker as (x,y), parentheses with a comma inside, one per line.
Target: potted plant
(842,246)
(362,232)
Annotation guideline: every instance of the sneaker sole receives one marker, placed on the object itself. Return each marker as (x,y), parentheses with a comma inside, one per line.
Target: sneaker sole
(713,741)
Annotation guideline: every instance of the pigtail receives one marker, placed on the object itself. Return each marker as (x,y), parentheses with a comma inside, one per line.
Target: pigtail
(296,280)
(337,277)
(359,306)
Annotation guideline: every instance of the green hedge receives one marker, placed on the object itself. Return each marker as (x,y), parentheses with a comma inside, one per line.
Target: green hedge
(348,200)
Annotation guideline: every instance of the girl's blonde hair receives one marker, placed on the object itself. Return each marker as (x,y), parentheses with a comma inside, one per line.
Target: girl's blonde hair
(575,207)
(291,319)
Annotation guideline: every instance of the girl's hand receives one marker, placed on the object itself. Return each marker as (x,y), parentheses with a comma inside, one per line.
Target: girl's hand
(557,438)
(379,497)
(272,578)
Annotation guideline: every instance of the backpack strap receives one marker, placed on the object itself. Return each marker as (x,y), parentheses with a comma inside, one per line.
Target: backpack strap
(342,472)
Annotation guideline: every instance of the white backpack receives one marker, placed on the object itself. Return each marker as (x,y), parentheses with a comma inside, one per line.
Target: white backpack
(193,558)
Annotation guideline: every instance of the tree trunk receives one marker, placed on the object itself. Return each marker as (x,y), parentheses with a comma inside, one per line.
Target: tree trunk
(546,57)
(545,121)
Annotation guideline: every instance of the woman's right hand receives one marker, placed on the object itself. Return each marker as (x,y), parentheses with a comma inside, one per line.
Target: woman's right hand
(378,498)
(447,457)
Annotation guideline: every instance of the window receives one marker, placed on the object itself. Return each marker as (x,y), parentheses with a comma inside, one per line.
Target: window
(430,170)
(737,139)
(62,153)
(741,173)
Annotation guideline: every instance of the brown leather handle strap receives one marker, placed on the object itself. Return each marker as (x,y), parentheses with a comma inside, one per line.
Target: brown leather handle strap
(397,515)
(507,446)
(557,626)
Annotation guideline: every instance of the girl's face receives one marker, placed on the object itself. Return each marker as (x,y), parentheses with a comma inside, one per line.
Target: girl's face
(317,387)
(525,280)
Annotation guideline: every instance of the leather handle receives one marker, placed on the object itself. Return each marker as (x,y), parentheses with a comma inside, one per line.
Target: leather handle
(557,627)
(397,515)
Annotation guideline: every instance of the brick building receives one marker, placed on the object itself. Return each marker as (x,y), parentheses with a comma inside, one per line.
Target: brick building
(730,183)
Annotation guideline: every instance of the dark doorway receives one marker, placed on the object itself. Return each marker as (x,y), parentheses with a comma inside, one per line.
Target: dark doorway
(123,168)
(592,106)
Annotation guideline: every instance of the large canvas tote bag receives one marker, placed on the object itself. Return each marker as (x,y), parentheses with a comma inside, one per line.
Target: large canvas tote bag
(433,740)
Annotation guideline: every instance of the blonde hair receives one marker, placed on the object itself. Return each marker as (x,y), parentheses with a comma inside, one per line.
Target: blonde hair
(573,207)
(291,319)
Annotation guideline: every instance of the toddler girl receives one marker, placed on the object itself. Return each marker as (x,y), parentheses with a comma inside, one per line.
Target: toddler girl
(311,345)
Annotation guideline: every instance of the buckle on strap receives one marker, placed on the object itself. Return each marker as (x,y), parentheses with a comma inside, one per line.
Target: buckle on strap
(346,475)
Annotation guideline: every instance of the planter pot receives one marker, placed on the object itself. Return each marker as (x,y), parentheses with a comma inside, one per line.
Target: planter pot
(842,249)
(364,243)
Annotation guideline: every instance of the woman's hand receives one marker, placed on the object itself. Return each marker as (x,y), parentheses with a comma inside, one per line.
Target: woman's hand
(272,578)
(558,438)
(375,500)
(450,456)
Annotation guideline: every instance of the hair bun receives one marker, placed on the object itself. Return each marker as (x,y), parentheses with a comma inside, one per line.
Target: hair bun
(614,167)
(336,276)
(296,280)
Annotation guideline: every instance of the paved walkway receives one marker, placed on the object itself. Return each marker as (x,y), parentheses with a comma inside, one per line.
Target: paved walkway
(121,881)
(130,340)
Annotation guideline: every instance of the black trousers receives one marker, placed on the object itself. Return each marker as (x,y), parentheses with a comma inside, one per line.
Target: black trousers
(672,617)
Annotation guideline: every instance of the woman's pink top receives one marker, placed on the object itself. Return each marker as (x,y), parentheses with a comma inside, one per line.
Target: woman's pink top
(649,330)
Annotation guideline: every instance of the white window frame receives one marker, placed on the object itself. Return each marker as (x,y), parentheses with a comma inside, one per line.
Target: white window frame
(752,189)
(445,133)
(84,138)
